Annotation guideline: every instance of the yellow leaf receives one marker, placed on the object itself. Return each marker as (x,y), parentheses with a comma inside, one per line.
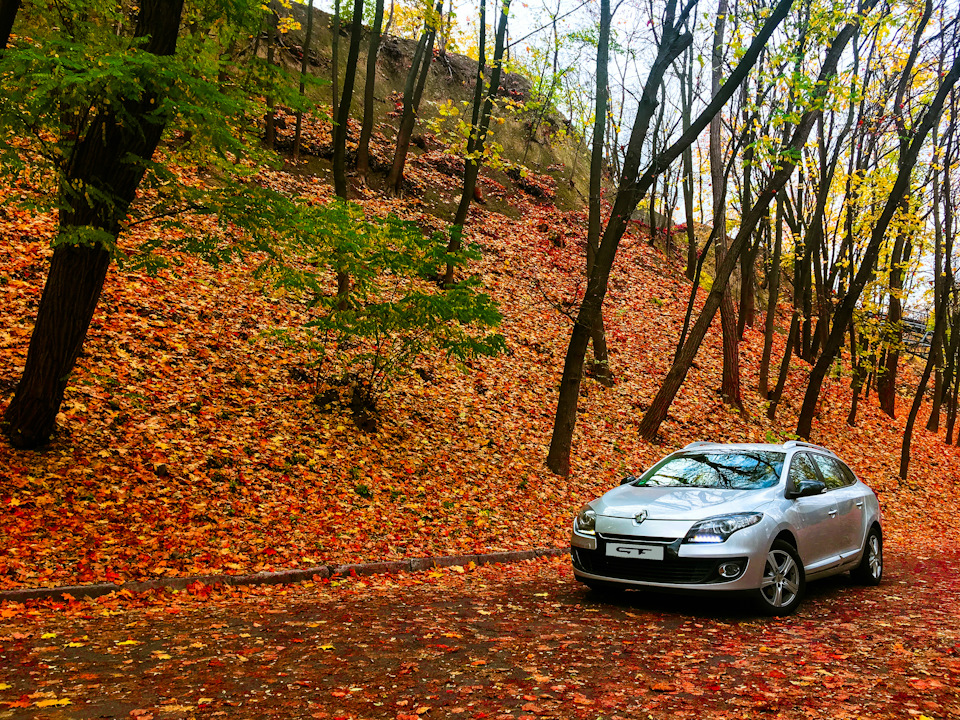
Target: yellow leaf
(47,636)
(55,702)
(326,647)
(4,686)
(128,642)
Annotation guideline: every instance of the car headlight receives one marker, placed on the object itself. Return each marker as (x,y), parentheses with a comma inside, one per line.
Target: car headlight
(718,529)
(586,521)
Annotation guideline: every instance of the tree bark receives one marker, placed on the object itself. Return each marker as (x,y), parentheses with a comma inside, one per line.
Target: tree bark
(730,382)
(96,190)
(686,97)
(270,120)
(887,373)
(601,359)
(335,63)
(8,13)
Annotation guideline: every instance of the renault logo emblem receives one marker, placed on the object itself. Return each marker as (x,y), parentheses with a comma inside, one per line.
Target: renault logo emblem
(640,516)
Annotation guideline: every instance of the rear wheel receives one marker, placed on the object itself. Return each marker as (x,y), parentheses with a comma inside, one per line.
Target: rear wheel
(784,581)
(870,569)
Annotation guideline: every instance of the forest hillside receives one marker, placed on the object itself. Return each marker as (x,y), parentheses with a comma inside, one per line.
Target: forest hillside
(255,412)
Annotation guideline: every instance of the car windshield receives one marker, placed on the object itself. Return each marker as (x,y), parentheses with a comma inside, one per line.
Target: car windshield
(744,470)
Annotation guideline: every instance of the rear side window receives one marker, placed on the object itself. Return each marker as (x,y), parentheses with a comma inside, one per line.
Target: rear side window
(835,474)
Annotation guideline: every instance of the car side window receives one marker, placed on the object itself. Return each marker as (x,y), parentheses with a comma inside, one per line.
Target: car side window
(801,468)
(848,476)
(833,472)
(833,476)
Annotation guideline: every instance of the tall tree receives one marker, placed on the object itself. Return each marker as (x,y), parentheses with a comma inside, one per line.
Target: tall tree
(304,64)
(730,384)
(106,164)
(478,137)
(346,99)
(903,244)
(412,95)
(600,352)
(366,128)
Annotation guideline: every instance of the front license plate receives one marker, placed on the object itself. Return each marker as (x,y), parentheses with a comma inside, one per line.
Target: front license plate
(636,552)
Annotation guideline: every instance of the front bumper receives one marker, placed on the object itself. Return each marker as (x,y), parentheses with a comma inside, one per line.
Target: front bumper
(685,567)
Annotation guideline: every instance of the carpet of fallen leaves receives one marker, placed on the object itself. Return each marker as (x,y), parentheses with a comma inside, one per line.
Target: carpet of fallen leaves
(189,441)
(514,642)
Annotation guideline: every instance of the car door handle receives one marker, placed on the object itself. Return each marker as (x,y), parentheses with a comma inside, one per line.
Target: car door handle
(860,504)
(833,513)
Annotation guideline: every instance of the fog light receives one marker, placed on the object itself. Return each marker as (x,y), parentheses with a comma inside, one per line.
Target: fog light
(729,570)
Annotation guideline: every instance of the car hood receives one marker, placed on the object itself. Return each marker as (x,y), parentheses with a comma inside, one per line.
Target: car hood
(670,503)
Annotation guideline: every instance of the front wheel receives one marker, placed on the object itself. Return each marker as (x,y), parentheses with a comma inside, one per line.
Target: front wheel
(870,569)
(784,581)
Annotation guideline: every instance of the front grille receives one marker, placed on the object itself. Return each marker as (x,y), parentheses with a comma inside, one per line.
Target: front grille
(638,538)
(670,570)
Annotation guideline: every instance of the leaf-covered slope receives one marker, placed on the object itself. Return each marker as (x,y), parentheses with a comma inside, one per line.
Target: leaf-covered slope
(193,441)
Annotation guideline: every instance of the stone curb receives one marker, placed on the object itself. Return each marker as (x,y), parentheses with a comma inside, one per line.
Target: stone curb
(280,577)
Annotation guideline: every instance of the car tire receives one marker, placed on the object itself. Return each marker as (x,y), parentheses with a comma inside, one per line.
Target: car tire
(784,581)
(870,569)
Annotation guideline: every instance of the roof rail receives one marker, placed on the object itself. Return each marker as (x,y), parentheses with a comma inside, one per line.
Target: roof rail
(801,443)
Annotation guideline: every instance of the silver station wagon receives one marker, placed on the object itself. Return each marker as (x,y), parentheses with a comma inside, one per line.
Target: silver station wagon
(759,519)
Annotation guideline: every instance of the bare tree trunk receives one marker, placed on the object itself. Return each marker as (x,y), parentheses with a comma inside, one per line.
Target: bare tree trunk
(471,163)
(304,64)
(773,296)
(940,319)
(943,267)
(730,383)
(686,96)
(270,120)
(412,92)
(887,374)
(343,110)
(856,382)
(366,129)
(775,397)
(601,359)
(335,62)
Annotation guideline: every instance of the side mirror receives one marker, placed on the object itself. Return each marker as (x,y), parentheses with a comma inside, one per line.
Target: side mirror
(628,479)
(806,488)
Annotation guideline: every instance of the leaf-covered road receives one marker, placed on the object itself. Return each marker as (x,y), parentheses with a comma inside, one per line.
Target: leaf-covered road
(513,641)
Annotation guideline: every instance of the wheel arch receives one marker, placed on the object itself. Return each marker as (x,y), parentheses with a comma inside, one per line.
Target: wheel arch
(788,538)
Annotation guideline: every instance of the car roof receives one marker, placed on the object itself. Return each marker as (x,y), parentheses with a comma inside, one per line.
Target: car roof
(789,445)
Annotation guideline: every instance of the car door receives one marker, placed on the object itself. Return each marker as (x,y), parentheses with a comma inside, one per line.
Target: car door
(849,502)
(814,517)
